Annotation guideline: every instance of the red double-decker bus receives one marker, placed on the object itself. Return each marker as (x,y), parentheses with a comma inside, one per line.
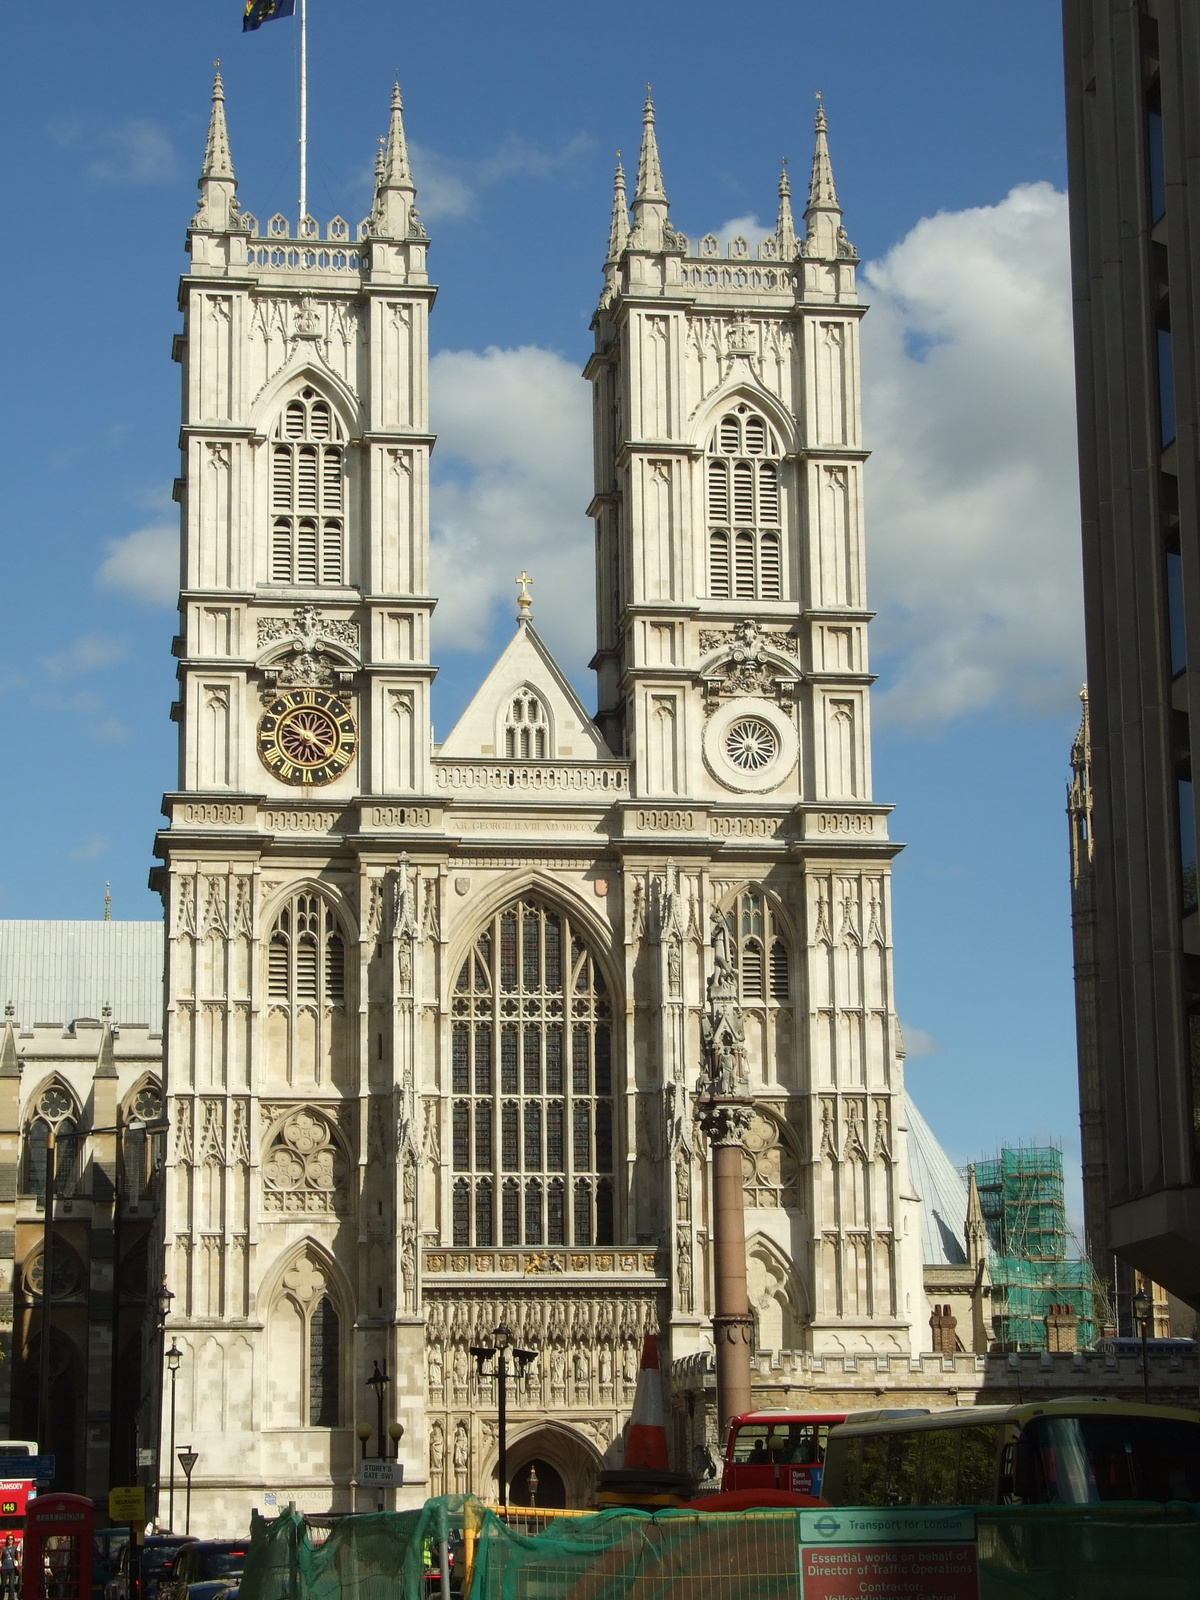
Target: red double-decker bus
(778,1450)
(15,1495)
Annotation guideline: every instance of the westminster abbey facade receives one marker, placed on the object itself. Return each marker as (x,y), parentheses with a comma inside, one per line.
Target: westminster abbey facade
(433,1011)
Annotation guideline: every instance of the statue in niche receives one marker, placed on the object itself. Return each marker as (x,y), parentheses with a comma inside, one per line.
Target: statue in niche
(558,1373)
(605,1368)
(435,1369)
(462,1457)
(437,1458)
(583,1374)
(629,1366)
(462,1372)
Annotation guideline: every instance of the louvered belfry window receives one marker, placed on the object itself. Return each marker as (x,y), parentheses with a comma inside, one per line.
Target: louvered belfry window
(763,960)
(306,954)
(745,509)
(532,1084)
(308,494)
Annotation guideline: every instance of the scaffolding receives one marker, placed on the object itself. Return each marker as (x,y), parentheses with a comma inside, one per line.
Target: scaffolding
(1021,1196)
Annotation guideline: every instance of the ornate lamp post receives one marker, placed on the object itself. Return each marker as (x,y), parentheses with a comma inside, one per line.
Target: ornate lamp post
(724,1106)
(174,1357)
(483,1353)
(1143,1310)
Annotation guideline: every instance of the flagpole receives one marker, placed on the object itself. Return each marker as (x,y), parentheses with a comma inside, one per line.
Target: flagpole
(303,114)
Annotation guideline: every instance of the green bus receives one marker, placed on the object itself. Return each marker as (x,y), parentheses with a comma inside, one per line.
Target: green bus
(1057,1452)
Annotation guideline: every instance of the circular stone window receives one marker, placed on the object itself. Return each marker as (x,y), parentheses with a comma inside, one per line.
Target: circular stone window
(750,745)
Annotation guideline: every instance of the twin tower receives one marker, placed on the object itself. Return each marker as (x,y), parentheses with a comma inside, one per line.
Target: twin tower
(433,1010)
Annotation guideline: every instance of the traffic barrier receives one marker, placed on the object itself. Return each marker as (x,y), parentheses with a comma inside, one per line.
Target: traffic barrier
(1101,1552)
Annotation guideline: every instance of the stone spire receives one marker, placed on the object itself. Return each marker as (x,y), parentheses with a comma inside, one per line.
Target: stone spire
(651,227)
(618,230)
(395,192)
(785,227)
(825,237)
(976,1229)
(217,211)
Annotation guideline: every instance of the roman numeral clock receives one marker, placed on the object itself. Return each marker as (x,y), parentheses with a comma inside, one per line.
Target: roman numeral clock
(307,736)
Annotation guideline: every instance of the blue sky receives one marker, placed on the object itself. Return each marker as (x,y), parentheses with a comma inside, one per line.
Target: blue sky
(947,139)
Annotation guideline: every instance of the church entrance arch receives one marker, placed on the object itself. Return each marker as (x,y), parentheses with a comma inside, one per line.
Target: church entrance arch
(566,1463)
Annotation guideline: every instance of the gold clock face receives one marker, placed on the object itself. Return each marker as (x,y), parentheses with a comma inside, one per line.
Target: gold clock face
(307,736)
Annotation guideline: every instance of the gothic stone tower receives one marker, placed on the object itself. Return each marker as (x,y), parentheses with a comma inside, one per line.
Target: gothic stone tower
(432,1018)
(732,661)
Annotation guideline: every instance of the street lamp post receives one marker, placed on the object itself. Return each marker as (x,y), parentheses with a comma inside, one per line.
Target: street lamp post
(483,1353)
(44,1441)
(1143,1310)
(379,1382)
(163,1305)
(174,1357)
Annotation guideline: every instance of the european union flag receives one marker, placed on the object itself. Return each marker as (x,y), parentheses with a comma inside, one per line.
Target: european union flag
(260,11)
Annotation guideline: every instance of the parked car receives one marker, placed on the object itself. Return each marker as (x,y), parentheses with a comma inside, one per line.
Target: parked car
(204,1568)
(107,1544)
(158,1556)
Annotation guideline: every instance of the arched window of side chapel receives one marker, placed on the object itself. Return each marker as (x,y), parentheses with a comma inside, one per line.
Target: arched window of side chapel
(307,495)
(532,1083)
(745,508)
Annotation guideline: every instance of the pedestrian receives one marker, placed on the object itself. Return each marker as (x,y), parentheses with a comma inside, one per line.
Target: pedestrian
(8,1569)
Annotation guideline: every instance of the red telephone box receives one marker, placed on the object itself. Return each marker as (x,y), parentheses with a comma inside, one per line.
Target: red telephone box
(57,1556)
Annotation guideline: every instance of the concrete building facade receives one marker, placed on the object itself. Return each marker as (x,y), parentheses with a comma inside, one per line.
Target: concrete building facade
(1131,70)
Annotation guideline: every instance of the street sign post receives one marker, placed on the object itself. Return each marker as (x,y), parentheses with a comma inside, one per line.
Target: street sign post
(888,1554)
(127,1505)
(381,1474)
(38,1468)
(187,1460)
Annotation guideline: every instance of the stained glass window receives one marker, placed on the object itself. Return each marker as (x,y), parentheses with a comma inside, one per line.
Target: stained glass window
(529,976)
(323,1366)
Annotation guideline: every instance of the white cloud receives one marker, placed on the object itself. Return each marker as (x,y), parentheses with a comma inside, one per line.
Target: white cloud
(918,1042)
(144,565)
(136,152)
(448,186)
(88,653)
(514,467)
(972,508)
(88,849)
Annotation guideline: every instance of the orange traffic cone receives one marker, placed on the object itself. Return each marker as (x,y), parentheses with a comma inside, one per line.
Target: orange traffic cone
(646,1440)
(646,1478)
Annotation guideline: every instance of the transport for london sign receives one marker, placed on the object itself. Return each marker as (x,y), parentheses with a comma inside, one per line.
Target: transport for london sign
(847,1553)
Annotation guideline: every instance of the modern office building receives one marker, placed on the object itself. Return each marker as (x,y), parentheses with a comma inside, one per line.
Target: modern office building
(1133,119)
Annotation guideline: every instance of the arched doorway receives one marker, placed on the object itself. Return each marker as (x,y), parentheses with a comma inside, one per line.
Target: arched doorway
(538,1484)
(567,1465)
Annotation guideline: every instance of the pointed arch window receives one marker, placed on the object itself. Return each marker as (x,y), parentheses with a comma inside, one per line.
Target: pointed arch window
(531,1068)
(306,954)
(526,728)
(764,960)
(308,495)
(306,1330)
(55,1109)
(745,507)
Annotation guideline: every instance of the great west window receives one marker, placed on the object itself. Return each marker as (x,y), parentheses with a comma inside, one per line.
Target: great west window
(532,1083)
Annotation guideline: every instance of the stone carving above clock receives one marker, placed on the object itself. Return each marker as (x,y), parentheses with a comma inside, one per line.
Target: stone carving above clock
(306,665)
(748,659)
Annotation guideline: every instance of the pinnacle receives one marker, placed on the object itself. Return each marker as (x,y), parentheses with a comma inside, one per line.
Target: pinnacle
(397,173)
(821,191)
(649,178)
(618,230)
(218,161)
(785,225)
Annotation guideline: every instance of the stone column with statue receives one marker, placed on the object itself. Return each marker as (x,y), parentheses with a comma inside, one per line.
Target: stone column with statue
(723,1109)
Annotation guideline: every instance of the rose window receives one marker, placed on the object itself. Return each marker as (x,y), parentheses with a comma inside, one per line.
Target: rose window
(751,744)
(304,1170)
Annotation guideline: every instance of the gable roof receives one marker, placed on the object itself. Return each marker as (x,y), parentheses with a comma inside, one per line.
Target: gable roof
(56,971)
(943,1194)
(525,663)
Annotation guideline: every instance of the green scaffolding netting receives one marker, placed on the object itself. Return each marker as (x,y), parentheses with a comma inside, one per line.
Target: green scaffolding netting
(1023,1553)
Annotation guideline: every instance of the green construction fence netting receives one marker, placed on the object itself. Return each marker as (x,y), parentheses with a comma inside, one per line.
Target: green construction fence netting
(1110,1552)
